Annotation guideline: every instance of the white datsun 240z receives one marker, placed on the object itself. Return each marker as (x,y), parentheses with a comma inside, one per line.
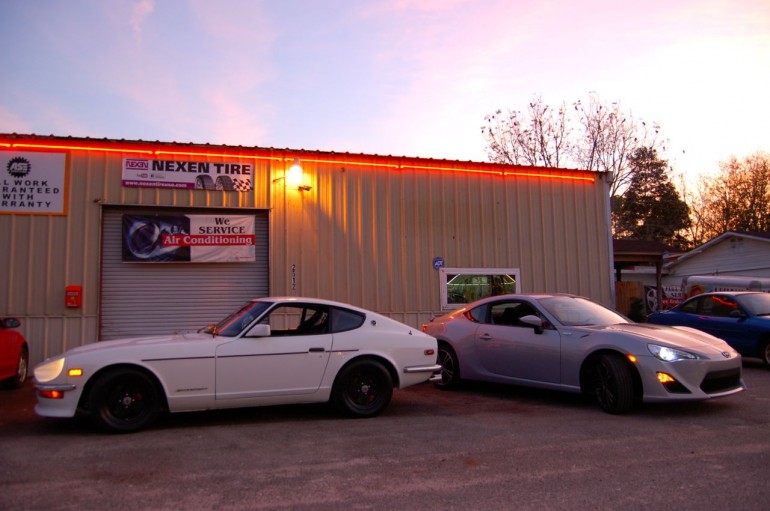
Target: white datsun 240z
(270,351)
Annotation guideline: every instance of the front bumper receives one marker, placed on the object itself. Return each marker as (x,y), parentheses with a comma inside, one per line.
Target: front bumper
(696,379)
(66,406)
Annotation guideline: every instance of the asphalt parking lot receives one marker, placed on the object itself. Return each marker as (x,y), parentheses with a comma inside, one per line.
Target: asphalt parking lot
(482,447)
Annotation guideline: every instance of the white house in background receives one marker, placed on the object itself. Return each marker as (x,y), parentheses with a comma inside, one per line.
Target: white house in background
(745,254)
(732,253)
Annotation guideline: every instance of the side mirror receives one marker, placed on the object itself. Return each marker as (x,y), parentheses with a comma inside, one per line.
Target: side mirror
(10,323)
(259,330)
(534,321)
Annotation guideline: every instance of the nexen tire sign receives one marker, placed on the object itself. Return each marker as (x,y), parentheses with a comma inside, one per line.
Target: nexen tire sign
(201,175)
(188,238)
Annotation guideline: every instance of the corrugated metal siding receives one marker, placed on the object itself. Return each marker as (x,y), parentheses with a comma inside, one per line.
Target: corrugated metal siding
(159,298)
(47,253)
(369,236)
(362,234)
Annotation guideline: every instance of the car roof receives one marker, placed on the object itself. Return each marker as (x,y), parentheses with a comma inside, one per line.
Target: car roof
(305,299)
(735,293)
(532,295)
(519,296)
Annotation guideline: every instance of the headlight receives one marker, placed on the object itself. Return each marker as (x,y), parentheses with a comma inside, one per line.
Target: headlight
(670,354)
(48,371)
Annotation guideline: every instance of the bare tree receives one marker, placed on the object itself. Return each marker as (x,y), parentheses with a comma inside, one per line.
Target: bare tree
(609,138)
(543,136)
(539,137)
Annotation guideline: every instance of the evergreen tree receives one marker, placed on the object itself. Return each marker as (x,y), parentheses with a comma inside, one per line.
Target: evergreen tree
(651,208)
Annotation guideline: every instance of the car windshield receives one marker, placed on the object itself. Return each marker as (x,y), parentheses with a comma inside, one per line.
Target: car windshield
(757,304)
(576,311)
(234,324)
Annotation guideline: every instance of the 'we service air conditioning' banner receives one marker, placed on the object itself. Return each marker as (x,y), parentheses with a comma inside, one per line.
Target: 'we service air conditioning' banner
(188,238)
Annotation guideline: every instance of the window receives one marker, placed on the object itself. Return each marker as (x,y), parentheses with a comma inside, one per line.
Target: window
(691,307)
(298,319)
(756,303)
(720,306)
(344,320)
(233,324)
(477,314)
(510,313)
(460,286)
(311,319)
(577,311)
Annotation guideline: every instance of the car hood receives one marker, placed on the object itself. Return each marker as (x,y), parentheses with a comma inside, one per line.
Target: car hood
(681,337)
(179,338)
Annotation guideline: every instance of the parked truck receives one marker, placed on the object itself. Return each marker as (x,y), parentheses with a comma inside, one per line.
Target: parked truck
(697,284)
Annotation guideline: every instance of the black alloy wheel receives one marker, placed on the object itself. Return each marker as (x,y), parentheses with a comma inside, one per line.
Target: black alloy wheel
(362,389)
(124,400)
(450,368)
(613,385)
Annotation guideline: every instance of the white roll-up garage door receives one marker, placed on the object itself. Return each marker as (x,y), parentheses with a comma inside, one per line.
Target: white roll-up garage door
(159,298)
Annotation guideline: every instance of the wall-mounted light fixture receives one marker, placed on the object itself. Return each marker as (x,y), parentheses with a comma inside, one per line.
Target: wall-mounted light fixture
(294,176)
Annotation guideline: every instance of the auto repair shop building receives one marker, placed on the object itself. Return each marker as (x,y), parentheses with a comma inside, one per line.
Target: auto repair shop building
(111,238)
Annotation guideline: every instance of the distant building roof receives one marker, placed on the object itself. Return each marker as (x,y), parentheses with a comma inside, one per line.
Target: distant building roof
(639,247)
(757,235)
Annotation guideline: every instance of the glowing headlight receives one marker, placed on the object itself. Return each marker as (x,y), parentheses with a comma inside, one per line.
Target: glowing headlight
(49,370)
(670,354)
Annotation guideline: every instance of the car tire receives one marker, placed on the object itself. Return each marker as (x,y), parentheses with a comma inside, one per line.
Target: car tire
(450,368)
(766,354)
(124,400)
(612,384)
(22,370)
(362,389)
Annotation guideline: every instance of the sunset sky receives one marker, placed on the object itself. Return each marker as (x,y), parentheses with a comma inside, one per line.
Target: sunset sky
(399,77)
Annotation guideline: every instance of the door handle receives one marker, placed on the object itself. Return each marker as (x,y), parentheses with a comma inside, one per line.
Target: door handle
(316,350)
(485,337)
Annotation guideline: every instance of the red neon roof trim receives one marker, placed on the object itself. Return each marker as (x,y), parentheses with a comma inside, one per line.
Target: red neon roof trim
(573,177)
(570,176)
(81,148)
(344,162)
(219,155)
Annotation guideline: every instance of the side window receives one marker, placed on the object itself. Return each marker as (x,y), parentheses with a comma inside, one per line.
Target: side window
(691,307)
(297,319)
(344,320)
(720,306)
(478,314)
(510,313)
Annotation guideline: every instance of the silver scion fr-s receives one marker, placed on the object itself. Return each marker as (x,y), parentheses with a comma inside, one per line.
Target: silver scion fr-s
(570,343)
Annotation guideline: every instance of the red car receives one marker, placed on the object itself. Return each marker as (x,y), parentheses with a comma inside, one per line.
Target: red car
(14,353)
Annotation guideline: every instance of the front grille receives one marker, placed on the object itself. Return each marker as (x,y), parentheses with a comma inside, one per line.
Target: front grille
(721,381)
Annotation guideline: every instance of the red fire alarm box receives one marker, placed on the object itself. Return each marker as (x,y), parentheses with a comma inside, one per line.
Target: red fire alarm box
(73,296)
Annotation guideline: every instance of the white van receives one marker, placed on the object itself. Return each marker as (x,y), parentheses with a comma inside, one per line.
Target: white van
(697,284)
